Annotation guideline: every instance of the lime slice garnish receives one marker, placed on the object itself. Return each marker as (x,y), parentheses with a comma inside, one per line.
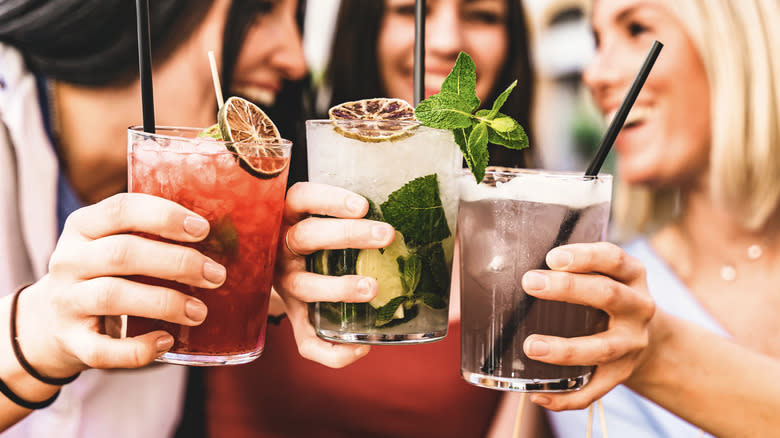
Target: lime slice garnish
(383,266)
(374,120)
(246,127)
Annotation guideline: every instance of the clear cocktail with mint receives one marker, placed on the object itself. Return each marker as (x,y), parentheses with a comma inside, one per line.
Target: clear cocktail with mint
(407,172)
(239,188)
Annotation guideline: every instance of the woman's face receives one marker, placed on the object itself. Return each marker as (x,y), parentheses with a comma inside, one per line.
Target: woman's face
(477,27)
(272,52)
(665,140)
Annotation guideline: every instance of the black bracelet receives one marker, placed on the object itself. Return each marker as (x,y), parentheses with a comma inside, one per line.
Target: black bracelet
(24,403)
(18,350)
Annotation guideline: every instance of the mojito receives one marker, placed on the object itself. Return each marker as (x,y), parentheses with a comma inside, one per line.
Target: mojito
(407,172)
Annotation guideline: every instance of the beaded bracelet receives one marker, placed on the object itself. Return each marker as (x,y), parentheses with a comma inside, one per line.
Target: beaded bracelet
(18,349)
(24,403)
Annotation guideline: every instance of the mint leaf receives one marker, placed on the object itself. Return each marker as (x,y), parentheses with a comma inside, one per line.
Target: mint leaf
(223,239)
(385,313)
(500,100)
(514,138)
(432,300)
(477,143)
(415,210)
(374,213)
(462,81)
(503,124)
(461,139)
(444,111)
(411,273)
(435,263)
(454,109)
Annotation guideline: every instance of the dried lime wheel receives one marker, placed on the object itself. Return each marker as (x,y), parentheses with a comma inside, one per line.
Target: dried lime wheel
(374,120)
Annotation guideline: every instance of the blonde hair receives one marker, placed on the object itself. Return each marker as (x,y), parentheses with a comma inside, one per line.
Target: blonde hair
(739,44)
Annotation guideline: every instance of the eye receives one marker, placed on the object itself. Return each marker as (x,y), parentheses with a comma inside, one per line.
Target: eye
(485,16)
(261,6)
(636,29)
(405,9)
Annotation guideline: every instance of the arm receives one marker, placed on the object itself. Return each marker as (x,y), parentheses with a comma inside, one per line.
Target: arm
(710,381)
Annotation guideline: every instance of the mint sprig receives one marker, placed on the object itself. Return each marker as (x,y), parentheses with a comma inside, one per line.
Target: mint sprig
(456,108)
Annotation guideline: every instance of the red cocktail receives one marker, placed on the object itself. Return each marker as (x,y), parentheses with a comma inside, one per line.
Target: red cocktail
(242,197)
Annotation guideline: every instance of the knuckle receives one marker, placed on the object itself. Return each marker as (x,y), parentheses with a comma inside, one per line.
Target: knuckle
(92,356)
(105,294)
(115,208)
(607,350)
(568,352)
(118,252)
(610,293)
(294,191)
(138,358)
(186,260)
(164,304)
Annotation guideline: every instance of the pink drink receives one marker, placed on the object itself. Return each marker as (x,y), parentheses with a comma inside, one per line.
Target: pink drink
(244,212)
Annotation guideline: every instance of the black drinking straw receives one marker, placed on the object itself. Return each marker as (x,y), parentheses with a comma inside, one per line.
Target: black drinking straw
(145,63)
(508,332)
(419,51)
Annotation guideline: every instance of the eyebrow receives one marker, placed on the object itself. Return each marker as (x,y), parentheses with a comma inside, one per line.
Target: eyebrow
(628,10)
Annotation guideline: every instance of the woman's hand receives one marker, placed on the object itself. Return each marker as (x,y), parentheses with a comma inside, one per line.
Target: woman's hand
(301,235)
(603,276)
(62,318)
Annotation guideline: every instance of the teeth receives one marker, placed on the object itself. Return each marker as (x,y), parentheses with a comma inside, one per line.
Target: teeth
(258,95)
(434,80)
(637,114)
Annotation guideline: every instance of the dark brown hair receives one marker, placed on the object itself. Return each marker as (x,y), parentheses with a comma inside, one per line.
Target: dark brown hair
(353,70)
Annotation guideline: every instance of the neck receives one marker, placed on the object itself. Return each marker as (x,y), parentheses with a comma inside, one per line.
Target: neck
(708,240)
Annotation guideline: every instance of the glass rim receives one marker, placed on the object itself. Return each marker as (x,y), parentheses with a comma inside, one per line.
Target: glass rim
(511,172)
(137,130)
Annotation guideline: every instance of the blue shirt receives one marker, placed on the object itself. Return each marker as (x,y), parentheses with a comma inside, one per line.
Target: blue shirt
(67,201)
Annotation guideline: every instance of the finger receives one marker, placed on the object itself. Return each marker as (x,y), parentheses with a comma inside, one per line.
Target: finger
(101,351)
(313,234)
(604,379)
(137,212)
(309,287)
(313,348)
(126,254)
(600,348)
(603,257)
(588,289)
(305,198)
(118,296)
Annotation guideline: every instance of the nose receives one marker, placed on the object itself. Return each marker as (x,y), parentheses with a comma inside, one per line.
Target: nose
(289,59)
(602,73)
(443,34)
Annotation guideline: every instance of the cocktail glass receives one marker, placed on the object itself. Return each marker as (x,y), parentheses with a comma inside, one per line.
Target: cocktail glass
(410,184)
(506,226)
(244,211)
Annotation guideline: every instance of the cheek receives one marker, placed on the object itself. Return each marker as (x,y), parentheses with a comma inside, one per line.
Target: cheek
(489,51)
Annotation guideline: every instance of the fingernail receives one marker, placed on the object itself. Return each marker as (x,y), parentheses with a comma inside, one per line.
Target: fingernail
(195,310)
(355,204)
(366,286)
(362,350)
(538,348)
(559,259)
(540,399)
(214,272)
(164,343)
(534,281)
(380,232)
(195,226)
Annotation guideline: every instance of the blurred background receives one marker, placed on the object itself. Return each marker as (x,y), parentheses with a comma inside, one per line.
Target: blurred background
(566,124)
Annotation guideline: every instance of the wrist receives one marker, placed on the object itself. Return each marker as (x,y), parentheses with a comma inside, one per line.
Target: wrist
(36,343)
(652,367)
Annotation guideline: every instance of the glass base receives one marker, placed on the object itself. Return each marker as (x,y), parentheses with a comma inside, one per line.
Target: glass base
(381,338)
(209,360)
(527,385)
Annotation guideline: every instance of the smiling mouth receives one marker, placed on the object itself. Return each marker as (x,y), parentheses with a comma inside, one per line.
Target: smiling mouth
(635,118)
(261,96)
